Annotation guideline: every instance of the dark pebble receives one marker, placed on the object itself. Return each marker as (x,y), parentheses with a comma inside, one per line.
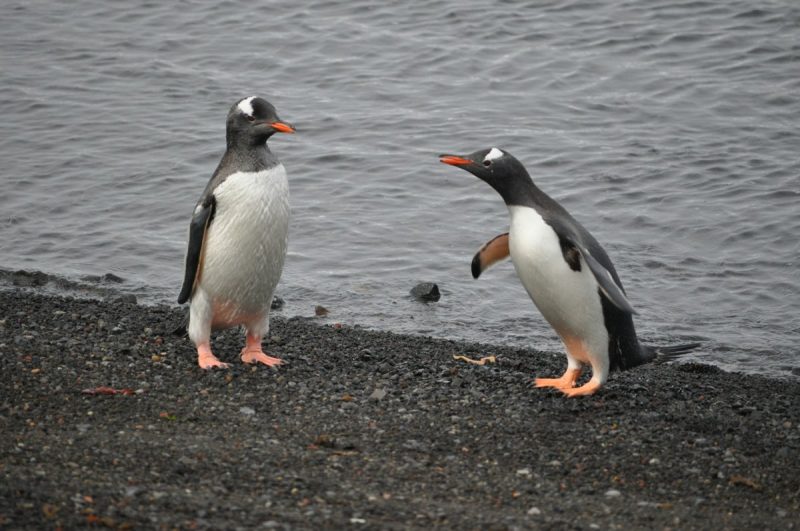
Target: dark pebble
(426,291)
(23,278)
(127,298)
(371,430)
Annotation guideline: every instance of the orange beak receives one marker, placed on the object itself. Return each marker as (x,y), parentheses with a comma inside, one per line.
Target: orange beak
(454,161)
(282,127)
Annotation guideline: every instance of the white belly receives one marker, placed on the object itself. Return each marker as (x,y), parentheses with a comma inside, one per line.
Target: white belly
(567,299)
(246,243)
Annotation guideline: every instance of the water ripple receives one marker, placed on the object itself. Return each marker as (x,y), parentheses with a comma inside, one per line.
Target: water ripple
(668,128)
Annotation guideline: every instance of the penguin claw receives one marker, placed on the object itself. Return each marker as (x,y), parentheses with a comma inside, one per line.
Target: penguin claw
(213,365)
(250,356)
(207,360)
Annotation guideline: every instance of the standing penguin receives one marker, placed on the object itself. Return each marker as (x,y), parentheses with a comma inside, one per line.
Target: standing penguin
(238,236)
(565,271)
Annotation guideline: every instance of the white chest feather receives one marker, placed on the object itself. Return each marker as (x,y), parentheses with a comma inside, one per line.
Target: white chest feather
(567,299)
(246,241)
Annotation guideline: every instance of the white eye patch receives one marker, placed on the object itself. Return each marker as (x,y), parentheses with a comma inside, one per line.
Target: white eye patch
(246,106)
(493,154)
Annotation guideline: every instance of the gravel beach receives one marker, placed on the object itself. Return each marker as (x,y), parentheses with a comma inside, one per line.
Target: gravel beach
(368,430)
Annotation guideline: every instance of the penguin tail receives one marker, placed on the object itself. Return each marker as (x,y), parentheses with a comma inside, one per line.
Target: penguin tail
(182,330)
(669,353)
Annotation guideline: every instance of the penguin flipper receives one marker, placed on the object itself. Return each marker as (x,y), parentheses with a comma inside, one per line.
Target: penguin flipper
(198,227)
(606,282)
(492,252)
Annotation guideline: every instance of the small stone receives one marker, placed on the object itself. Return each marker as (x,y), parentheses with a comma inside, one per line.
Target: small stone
(277,303)
(325,441)
(346,444)
(534,511)
(155,357)
(413,444)
(320,311)
(111,277)
(247,411)
(613,493)
(128,298)
(729,457)
(29,278)
(524,472)
(426,291)
(378,394)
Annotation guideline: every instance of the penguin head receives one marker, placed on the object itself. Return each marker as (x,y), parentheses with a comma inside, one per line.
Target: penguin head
(498,168)
(253,120)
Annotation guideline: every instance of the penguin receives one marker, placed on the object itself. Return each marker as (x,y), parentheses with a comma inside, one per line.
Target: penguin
(238,236)
(565,271)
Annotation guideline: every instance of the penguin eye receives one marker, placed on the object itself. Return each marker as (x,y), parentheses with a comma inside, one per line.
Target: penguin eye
(487,162)
(250,118)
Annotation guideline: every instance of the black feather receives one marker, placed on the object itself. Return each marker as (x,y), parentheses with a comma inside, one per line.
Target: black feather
(197,233)
(476,265)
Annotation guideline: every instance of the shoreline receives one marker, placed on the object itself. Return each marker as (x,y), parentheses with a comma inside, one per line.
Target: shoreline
(111,287)
(369,429)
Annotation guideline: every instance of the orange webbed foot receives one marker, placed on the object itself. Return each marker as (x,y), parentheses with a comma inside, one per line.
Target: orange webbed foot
(566,381)
(252,353)
(589,388)
(207,360)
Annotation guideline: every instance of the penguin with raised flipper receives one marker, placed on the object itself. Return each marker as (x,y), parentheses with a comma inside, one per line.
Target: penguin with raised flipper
(566,272)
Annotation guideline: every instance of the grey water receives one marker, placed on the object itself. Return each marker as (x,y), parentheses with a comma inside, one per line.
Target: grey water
(670,129)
